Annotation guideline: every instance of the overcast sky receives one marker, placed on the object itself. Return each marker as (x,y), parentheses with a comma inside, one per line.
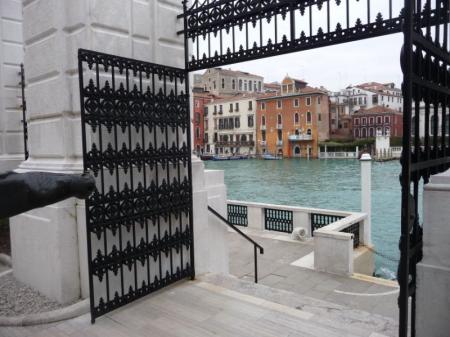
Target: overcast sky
(334,67)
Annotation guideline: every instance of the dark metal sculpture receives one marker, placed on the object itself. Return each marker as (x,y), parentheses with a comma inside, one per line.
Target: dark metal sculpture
(21,192)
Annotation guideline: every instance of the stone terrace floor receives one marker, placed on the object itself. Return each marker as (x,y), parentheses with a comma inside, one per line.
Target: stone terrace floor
(275,270)
(217,305)
(290,301)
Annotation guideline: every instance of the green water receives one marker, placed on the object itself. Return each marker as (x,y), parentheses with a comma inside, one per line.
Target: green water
(330,184)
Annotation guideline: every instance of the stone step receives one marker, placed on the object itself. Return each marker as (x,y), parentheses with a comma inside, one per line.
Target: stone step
(343,320)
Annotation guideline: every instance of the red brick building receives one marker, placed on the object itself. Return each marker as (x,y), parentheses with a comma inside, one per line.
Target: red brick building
(201,98)
(366,122)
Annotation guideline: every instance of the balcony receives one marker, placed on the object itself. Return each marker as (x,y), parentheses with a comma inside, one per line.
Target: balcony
(298,138)
(263,127)
(248,143)
(279,142)
(279,126)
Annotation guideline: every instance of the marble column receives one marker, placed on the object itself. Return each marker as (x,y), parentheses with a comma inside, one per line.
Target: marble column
(11,56)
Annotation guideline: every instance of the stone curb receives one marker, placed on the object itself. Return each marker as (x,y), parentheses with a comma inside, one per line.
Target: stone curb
(72,311)
(5,259)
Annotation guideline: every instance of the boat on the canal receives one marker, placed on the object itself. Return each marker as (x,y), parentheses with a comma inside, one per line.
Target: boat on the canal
(206,157)
(270,157)
(230,157)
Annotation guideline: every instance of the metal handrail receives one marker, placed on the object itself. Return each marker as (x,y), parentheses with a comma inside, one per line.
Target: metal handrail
(255,244)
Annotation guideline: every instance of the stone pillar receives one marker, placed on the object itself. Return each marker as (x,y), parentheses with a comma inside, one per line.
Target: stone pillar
(366,200)
(433,272)
(11,56)
(47,243)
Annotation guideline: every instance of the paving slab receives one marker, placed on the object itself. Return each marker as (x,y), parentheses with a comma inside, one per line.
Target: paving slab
(218,306)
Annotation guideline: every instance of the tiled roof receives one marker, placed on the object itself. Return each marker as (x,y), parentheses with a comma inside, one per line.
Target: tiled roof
(234,98)
(305,91)
(233,72)
(377,110)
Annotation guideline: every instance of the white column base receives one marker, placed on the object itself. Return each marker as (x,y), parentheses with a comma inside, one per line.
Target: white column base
(45,250)
(10,162)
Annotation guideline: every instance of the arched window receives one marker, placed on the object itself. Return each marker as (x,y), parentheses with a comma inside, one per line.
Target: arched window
(387,131)
(279,121)
(297,132)
(297,151)
(250,85)
(223,83)
(364,133)
(308,117)
(263,120)
(233,84)
(371,132)
(296,119)
(243,138)
(240,84)
(309,132)
(357,133)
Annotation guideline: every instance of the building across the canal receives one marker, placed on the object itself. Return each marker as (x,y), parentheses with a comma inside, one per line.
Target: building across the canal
(368,122)
(293,122)
(221,82)
(201,98)
(230,125)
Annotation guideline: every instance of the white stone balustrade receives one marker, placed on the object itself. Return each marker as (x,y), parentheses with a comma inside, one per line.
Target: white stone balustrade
(301,215)
(333,248)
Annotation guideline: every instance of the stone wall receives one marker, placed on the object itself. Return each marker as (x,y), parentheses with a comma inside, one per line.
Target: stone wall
(11,56)
(49,244)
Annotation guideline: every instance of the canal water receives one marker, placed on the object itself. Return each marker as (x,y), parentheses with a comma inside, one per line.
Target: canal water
(330,184)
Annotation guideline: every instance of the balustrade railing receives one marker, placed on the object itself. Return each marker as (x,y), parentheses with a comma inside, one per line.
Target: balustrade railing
(278,220)
(238,215)
(353,229)
(322,220)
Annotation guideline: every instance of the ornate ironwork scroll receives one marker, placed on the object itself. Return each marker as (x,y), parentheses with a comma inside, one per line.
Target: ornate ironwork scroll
(230,31)
(135,126)
(425,63)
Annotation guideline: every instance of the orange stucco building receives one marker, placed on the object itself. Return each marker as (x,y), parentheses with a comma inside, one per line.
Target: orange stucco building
(293,122)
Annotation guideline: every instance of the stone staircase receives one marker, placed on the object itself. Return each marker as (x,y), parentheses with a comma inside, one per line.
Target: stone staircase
(218,305)
(314,317)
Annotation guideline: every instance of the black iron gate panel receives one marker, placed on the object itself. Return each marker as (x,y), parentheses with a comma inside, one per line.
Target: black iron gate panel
(135,126)
(425,63)
(231,31)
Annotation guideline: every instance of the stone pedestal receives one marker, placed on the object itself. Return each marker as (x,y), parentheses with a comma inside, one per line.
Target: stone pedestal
(210,234)
(11,56)
(365,228)
(433,272)
(48,244)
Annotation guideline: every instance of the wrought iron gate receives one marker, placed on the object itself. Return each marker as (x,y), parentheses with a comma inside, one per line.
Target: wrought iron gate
(221,32)
(425,63)
(135,127)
